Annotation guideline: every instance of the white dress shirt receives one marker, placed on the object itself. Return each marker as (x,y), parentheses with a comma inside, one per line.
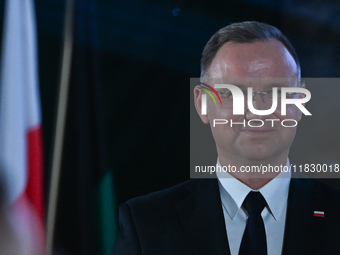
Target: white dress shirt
(233,192)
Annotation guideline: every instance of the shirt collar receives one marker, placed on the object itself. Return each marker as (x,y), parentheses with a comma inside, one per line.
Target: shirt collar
(233,192)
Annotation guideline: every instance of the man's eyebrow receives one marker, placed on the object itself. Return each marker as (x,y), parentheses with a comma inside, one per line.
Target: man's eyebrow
(266,87)
(269,86)
(277,85)
(241,86)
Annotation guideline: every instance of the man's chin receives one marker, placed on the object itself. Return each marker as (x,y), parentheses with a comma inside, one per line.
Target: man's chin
(257,154)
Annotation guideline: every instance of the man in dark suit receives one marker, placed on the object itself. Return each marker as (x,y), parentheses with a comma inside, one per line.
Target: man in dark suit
(241,212)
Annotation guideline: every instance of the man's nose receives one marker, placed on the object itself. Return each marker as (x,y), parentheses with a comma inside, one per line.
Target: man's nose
(259,103)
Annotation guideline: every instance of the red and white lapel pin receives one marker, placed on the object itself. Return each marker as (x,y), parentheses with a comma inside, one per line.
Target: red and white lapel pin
(319,214)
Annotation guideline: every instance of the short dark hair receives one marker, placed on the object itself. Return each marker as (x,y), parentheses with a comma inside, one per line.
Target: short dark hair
(243,32)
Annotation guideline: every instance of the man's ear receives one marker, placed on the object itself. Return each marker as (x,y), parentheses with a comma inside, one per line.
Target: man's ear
(198,104)
(302,85)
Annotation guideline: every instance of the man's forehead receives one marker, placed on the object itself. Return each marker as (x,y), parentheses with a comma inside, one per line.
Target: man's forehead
(258,59)
(264,82)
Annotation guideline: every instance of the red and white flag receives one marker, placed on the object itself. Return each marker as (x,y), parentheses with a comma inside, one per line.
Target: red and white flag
(319,214)
(21,168)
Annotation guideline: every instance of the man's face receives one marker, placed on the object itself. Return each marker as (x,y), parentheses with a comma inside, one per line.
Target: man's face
(258,65)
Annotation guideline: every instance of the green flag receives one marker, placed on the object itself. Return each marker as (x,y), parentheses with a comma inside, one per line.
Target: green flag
(86,220)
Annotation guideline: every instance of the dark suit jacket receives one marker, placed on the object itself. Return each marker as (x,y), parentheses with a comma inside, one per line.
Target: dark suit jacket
(188,219)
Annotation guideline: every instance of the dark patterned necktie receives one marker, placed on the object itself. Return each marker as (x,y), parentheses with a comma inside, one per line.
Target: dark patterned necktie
(254,240)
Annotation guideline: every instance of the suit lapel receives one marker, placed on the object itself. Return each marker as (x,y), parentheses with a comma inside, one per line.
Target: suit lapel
(202,218)
(303,229)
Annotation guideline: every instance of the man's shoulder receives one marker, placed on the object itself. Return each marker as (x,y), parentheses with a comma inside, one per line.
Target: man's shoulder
(161,197)
(162,221)
(327,192)
(317,186)
(316,193)
(170,196)
(312,219)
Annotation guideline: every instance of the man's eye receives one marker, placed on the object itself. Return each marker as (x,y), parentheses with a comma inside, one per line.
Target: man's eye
(225,94)
(290,95)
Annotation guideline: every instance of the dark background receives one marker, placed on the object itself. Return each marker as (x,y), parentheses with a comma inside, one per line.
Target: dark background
(147,54)
(146,51)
